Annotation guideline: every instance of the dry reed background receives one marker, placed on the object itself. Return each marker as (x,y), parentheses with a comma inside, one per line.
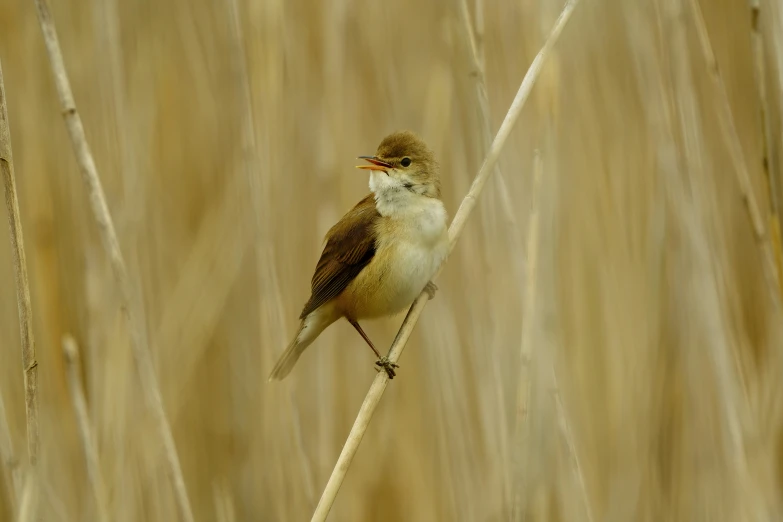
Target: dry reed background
(650,300)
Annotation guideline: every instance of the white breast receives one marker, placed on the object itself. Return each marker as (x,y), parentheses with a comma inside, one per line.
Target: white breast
(416,249)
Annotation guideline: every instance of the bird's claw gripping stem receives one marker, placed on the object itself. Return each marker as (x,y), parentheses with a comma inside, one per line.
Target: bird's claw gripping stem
(385,364)
(431,288)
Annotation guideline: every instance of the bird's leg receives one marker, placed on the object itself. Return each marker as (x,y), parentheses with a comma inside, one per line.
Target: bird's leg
(431,288)
(383,361)
(364,335)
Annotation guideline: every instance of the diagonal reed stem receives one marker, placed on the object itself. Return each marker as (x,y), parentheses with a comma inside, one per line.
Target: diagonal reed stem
(29,362)
(128,304)
(378,386)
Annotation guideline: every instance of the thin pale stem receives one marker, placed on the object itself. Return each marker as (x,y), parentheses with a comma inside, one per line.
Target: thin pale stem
(568,437)
(469,202)
(478,32)
(524,391)
(378,385)
(71,352)
(29,362)
(129,306)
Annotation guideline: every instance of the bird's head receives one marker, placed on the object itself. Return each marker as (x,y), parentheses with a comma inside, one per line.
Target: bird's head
(403,161)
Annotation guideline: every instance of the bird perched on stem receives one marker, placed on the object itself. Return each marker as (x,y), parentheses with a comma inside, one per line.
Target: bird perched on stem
(381,255)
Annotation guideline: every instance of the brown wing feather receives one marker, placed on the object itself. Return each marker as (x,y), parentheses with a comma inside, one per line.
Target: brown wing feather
(351,246)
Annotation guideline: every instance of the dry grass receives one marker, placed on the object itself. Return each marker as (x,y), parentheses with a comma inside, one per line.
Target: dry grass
(652,306)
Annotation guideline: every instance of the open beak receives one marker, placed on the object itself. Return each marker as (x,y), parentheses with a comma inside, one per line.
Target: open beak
(375,164)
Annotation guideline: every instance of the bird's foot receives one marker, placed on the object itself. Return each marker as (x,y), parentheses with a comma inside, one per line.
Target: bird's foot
(431,288)
(385,364)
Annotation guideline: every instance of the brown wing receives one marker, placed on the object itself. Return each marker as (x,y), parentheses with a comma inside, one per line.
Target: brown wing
(351,246)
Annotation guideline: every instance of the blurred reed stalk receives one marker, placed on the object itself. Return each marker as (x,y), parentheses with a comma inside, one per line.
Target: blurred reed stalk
(100,209)
(475,37)
(474,34)
(249,151)
(12,478)
(378,386)
(29,362)
(568,437)
(703,281)
(224,505)
(71,352)
(729,131)
(768,160)
(28,509)
(527,347)
(251,166)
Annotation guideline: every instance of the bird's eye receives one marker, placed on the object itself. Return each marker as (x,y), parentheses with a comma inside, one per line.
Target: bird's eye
(406,162)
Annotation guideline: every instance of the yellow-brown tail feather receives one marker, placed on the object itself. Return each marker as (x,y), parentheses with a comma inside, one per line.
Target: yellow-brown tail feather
(309,329)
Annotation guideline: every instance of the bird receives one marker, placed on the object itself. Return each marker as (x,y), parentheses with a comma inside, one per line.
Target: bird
(383,253)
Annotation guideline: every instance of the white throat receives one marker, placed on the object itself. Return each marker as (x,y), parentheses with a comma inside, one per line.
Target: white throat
(424,217)
(393,198)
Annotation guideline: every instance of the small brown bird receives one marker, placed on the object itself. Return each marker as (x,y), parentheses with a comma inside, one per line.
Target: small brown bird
(381,255)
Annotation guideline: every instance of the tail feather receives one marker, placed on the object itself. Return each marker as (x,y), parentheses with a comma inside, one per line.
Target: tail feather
(309,329)
(287,361)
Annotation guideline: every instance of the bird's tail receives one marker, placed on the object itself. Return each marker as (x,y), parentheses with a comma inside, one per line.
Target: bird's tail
(309,329)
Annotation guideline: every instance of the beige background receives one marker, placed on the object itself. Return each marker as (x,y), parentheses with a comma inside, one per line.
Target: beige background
(650,292)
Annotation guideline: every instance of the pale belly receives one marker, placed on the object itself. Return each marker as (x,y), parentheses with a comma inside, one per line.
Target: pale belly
(396,276)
